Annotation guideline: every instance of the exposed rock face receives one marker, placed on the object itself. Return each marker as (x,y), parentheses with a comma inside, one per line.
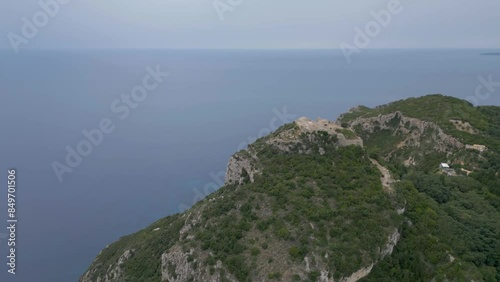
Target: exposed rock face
(242,166)
(308,125)
(477,147)
(387,250)
(391,243)
(411,128)
(191,220)
(348,142)
(114,272)
(175,265)
(240,169)
(464,126)
(180,266)
(180,263)
(361,273)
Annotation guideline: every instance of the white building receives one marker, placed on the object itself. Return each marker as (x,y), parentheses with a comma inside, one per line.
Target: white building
(444,166)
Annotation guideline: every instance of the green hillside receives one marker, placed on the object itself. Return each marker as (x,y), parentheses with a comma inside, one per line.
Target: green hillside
(440,110)
(303,205)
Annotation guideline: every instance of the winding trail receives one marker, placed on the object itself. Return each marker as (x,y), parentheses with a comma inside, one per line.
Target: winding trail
(393,239)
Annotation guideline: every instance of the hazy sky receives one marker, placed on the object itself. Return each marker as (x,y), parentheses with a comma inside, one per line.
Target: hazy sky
(252,24)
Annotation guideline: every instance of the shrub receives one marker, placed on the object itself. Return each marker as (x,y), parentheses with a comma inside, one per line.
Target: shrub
(254,251)
(274,276)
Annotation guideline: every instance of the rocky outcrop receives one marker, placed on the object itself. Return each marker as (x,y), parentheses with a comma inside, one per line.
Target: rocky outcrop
(464,126)
(308,125)
(180,266)
(391,243)
(412,129)
(392,240)
(361,273)
(343,141)
(477,147)
(176,266)
(240,169)
(332,128)
(242,166)
(114,272)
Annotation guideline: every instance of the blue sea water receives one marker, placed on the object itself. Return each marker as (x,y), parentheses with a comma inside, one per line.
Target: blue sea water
(159,159)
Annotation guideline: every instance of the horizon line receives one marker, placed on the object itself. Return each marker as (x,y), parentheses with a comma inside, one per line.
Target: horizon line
(242,49)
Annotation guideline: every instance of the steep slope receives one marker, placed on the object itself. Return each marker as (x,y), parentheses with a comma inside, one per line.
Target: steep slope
(362,198)
(452,230)
(300,204)
(458,118)
(420,133)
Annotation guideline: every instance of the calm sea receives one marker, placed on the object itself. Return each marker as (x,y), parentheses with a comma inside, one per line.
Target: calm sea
(161,156)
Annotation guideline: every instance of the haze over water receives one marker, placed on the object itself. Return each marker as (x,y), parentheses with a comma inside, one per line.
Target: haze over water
(212,101)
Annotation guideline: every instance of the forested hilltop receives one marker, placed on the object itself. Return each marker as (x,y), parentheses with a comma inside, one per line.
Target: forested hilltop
(408,191)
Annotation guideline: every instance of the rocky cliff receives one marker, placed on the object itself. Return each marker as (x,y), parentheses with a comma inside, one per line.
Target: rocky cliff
(279,234)
(328,201)
(243,166)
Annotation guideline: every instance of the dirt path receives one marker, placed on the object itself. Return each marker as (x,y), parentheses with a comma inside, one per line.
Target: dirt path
(387,181)
(386,178)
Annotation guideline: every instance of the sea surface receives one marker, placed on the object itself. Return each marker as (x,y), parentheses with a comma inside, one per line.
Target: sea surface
(173,147)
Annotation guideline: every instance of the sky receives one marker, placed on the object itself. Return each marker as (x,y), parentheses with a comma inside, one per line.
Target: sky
(248,24)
